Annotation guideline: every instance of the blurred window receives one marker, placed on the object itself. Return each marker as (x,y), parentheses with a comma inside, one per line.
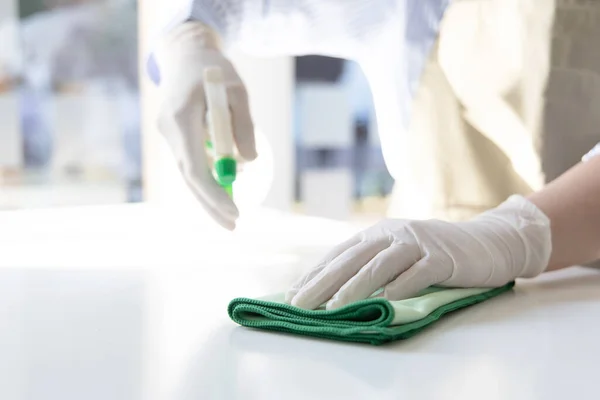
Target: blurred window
(338,153)
(69,103)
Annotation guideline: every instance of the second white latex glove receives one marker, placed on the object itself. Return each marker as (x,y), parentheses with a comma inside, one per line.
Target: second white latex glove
(182,56)
(404,257)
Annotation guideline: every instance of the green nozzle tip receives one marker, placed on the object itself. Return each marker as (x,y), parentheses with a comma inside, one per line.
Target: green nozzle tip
(225,171)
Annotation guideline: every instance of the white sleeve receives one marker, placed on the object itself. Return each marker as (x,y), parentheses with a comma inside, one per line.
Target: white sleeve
(594,152)
(337,28)
(329,27)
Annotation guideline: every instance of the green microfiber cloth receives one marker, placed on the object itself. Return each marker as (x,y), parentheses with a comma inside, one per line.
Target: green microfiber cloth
(374,320)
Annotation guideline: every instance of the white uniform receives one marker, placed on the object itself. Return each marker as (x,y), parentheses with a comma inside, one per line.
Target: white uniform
(390,39)
(460,119)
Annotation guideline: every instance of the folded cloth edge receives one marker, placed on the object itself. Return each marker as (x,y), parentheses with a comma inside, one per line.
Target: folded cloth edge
(329,324)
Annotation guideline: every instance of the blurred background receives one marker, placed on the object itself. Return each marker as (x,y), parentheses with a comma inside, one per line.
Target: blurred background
(71,119)
(69,103)
(76,120)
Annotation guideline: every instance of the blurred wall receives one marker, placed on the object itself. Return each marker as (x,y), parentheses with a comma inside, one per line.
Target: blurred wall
(10,138)
(572,109)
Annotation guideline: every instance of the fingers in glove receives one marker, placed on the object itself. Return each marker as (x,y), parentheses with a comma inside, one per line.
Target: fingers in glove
(329,257)
(204,186)
(223,220)
(200,179)
(418,277)
(243,128)
(337,273)
(181,116)
(381,270)
(182,127)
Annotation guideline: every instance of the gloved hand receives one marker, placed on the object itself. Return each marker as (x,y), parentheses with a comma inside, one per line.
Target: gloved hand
(403,257)
(182,56)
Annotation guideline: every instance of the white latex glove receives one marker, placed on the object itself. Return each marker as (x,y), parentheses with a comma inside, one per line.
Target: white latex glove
(182,56)
(404,257)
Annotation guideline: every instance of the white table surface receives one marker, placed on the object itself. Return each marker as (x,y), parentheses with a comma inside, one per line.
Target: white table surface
(114,303)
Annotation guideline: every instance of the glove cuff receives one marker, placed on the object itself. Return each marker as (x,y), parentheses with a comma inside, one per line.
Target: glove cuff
(188,37)
(532,227)
(184,48)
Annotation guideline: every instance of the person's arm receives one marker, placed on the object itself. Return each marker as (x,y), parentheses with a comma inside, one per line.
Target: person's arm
(199,36)
(557,227)
(337,28)
(572,203)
